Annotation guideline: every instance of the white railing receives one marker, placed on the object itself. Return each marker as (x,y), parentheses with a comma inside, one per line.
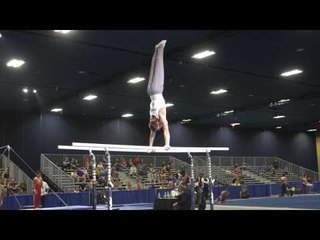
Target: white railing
(57,175)
(278,163)
(57,159)
(17,174)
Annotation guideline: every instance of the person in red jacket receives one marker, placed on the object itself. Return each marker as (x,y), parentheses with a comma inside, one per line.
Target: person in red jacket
(37,185)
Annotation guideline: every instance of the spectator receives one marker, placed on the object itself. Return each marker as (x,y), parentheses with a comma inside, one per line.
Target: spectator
(205,192)
(223,196)
(133,170)
(44,191)
(123,164)
(66,163)
(3,193)
(129,185)
(304,182)
(73,163)
(12,186)
(23,187)
(283,183)
(244,193)
(5,176)
(184,199)
(86,162)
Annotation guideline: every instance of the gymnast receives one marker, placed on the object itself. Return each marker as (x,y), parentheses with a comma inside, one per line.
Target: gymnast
(158,113)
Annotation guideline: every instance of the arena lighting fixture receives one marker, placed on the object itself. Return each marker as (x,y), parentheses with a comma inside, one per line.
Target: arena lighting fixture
(203,54)
(90,97)
(63,31)
(127,115)
(279,116)
(25,90)
(279,127)
(186,120)
(291,72)
(136,80)
(312,130)
(56,109)
(169,104)
(234,124)
(225,113)
(15,63)
(220,91)
(34,91)
(280,102)
(284,101)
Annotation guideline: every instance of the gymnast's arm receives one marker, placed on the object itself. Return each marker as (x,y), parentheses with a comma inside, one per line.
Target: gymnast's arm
(152,137)
(165,126)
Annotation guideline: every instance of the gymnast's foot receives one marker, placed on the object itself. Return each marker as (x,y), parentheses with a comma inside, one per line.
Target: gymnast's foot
(150,149)
(167,147)
(161,44)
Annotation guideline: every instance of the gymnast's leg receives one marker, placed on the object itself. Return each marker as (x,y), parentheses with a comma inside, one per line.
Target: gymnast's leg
(156,76)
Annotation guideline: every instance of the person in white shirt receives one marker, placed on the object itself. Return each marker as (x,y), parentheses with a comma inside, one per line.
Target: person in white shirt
(158,113)
(44,191)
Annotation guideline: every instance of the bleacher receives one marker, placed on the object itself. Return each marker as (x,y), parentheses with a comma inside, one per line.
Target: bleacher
(224,175)
(274,176)
(248,178)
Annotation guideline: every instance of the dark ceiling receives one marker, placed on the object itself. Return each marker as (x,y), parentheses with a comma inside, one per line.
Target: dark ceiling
(65,67)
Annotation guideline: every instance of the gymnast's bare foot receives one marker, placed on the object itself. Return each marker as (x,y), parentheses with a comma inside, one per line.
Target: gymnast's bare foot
(167,147)
(150,149)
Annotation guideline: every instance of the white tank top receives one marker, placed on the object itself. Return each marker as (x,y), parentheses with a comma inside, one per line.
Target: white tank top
(157,102)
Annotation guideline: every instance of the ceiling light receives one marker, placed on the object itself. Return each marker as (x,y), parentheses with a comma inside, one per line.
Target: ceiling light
(34,91)
(220,91)
(25,90)
(312,130)
(56,109)
(63,31)
(279,116)
(290,73)
(169,104)
(186,120)
(225,113)
(280,102)
(136,80)
(279,127)
(203,54)
(15,63)
(90,97)
(0,35)
(127,115)
(234,124)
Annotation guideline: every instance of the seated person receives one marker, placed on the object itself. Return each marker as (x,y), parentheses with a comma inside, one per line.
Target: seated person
(290,191)
(223,196)
(244,193)
(184,199)
(12,186)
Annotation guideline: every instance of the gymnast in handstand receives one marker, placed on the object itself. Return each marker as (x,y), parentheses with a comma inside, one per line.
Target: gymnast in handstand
(158,113)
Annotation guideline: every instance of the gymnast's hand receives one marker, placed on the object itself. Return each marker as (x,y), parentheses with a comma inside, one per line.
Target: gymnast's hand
(167,147)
